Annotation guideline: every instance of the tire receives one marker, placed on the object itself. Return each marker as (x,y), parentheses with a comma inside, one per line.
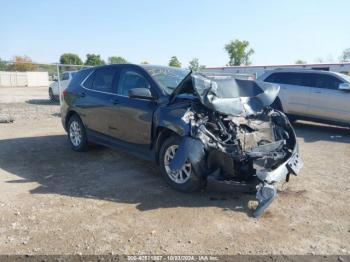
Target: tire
(187,181)
(77,134)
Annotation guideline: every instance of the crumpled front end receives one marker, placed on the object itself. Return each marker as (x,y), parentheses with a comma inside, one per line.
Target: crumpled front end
(275,162)
(234,144)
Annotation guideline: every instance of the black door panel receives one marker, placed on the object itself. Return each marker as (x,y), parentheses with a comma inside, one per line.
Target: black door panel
(96,109)
(97,102)
(132,121)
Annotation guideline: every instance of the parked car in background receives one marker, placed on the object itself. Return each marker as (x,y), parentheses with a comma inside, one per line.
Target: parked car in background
(223,74)
(65,79)
(193,125)
(312,95)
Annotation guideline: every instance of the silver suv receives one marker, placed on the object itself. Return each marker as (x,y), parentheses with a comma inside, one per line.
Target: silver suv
(312,94)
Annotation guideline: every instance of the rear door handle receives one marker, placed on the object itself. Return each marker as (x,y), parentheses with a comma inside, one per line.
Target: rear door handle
(82,94)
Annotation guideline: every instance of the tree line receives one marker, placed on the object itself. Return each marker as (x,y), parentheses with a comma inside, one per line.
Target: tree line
(25,63)
(239,53)
(94,60)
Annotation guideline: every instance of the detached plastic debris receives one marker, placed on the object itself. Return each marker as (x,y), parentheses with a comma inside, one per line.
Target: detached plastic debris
(6,118)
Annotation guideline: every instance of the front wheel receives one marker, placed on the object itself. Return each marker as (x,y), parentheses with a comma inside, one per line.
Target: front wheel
(185,180)
(77,134)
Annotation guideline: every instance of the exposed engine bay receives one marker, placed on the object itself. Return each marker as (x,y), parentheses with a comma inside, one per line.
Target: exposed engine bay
(239,138)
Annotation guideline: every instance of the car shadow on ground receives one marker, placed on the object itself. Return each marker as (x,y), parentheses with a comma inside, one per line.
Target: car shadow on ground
(313,132)
(105,174)
(42,102)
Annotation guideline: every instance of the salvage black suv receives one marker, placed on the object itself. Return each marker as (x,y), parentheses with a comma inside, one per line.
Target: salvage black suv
(194,125)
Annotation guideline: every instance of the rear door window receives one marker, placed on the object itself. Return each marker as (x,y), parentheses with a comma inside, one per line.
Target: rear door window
(102,80)
(321,81)
(327,81)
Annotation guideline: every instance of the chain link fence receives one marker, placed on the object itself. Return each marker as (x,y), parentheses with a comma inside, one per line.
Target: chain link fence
(32,90)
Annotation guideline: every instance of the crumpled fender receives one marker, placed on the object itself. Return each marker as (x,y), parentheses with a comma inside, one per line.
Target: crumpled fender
(169,117)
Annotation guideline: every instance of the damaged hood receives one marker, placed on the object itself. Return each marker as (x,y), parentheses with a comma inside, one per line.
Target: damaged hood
(231,96)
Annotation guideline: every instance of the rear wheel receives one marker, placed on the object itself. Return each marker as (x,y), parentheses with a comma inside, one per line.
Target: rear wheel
(186,179)
(77,134)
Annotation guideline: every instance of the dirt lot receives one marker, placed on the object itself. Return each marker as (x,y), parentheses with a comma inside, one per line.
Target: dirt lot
(54,200)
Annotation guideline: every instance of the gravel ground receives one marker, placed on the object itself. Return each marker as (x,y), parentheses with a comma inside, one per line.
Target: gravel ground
(56,201)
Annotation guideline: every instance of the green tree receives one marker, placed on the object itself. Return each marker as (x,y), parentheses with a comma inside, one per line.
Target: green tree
(70,59)
(94,60)
(194,65)
(22,64)
(345,57)
(239,52)
(174,62)
(144,62)
(117,60)
(3,65)
(300,62)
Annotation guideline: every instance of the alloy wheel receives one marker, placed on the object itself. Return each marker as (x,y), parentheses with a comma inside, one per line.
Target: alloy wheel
(180,176)
(75,133)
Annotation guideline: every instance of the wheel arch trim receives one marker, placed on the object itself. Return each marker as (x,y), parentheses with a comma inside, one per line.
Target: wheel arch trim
(162,133)
(70,113)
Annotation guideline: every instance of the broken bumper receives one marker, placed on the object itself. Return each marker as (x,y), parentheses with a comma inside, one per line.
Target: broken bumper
(267,190)
(292,165)
(270,162)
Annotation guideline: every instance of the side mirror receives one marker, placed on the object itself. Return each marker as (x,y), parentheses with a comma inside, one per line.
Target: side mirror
(141,93)
(344,86)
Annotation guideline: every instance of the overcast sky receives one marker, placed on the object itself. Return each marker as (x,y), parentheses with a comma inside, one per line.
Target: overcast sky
(154,30)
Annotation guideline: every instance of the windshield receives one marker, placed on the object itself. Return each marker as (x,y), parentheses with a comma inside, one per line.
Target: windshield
(168,78)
